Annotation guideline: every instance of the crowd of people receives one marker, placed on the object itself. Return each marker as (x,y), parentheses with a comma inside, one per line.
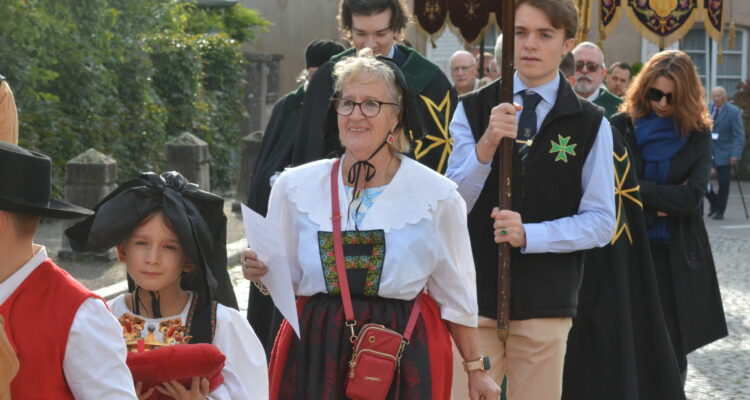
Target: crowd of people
(387,209)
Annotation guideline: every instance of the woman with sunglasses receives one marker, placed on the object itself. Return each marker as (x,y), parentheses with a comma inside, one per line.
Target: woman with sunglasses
(666,124)
(403,229)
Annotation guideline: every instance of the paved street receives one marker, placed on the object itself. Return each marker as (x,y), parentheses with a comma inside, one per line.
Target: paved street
(722,370)
(718,371)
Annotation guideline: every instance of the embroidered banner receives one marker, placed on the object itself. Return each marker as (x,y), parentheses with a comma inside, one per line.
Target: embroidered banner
(609,13)
(663,21)
(468,18)
(714,18)
(431,15)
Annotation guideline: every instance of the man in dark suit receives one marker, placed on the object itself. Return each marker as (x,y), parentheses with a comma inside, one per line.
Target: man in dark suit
(729,140)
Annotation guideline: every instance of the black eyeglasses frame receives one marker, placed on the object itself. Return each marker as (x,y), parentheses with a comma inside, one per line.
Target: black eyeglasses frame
(654,94)
(335,101)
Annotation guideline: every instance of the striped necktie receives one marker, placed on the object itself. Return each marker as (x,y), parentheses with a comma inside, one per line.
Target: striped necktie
(527,123)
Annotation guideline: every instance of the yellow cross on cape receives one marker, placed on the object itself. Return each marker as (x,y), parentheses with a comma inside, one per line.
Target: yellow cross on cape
(622,169)
(562,148)
(443,142)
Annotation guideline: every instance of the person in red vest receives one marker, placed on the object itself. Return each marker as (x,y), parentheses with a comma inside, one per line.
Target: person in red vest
(8,363)
(58,329)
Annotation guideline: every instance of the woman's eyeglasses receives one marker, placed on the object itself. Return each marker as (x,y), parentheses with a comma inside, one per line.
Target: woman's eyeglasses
(369,108)
(590,65)
(654,94)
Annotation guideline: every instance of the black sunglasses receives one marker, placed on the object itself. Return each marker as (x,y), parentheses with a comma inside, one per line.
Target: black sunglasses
(656,95)
(590,65)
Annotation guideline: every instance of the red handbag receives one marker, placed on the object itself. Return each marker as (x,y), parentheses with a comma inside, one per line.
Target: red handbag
(377,349)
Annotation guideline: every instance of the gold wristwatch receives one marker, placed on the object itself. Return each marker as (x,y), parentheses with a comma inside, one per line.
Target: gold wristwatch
(482,363)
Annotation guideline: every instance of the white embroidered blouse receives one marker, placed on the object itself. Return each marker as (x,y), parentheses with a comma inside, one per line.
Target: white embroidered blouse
(426,236)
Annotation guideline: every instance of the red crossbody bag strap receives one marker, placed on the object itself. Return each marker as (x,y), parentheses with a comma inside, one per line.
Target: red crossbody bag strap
(338,248)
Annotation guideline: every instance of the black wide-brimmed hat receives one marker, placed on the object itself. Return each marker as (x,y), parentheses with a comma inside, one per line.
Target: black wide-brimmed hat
(25,185)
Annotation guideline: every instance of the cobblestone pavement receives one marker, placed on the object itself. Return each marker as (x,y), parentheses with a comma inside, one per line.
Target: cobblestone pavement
(721,370)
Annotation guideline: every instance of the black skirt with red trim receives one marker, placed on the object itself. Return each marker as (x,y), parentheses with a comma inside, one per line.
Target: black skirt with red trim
(316,366)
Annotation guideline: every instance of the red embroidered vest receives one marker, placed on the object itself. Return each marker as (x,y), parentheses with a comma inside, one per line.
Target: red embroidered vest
(38,318)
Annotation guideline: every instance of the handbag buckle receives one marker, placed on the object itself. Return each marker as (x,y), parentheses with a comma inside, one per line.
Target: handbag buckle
(351,325)
(401,348)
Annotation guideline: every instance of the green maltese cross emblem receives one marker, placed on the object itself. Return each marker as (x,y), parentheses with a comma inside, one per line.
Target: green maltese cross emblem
(562,148)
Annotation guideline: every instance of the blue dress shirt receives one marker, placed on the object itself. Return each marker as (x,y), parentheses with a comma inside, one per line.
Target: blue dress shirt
(595,222)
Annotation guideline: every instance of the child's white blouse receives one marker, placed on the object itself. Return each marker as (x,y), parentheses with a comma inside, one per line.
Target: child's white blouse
(245,372)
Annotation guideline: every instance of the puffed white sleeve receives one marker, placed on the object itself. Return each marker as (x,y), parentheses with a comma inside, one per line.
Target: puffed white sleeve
(280,210)
(453,282)
(245,371)
(94,362)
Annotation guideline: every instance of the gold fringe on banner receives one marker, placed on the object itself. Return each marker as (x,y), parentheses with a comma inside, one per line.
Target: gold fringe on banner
(720,56)
(584,20)
(715,34)
(605,31)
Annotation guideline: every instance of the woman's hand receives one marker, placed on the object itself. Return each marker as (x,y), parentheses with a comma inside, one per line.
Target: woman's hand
(175,390)
(482,387)
(252,268)
(139,389)
(509,227)
(8,362)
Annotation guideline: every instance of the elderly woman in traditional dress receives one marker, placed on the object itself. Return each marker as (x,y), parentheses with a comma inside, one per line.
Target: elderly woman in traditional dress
(403,229)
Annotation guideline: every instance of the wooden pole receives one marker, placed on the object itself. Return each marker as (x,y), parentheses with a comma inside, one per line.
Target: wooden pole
(504,159)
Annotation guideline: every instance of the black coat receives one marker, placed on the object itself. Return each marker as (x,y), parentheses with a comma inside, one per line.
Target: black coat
(275,152)
(619,347)
(700,312)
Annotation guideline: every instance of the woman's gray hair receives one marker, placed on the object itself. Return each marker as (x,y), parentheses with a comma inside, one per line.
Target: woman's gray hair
(368,69)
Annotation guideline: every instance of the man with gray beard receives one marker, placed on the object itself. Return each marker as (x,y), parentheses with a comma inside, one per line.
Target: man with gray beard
(590,72)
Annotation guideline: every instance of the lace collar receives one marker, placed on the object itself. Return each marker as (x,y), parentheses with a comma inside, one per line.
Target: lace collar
(412,195)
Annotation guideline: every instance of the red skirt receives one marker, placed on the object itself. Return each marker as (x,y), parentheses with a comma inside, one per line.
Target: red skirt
(315,367)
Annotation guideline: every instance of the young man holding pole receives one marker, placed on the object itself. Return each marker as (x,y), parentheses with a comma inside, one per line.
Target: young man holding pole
(563,199)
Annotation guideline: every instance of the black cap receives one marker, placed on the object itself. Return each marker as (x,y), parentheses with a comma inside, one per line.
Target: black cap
(318,52)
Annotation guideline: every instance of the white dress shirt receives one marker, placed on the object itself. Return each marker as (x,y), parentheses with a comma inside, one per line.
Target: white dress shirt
(245,372)
(426,236)
(94,362)
(593,225)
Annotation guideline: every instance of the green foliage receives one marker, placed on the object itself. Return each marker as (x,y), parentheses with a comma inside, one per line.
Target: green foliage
(238,22)
(124,77)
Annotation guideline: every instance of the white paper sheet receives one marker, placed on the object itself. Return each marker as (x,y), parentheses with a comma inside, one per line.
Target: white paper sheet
(264,238)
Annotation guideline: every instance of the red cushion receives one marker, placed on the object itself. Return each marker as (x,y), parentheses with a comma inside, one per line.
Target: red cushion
(180,362)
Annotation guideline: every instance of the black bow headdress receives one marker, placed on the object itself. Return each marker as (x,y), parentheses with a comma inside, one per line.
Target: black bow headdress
(196,216)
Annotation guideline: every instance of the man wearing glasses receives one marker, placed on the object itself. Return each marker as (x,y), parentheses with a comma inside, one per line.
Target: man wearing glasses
(464,71)
(590,73)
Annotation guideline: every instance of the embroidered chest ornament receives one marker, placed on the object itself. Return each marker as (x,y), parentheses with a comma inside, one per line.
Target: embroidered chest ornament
(562,148)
